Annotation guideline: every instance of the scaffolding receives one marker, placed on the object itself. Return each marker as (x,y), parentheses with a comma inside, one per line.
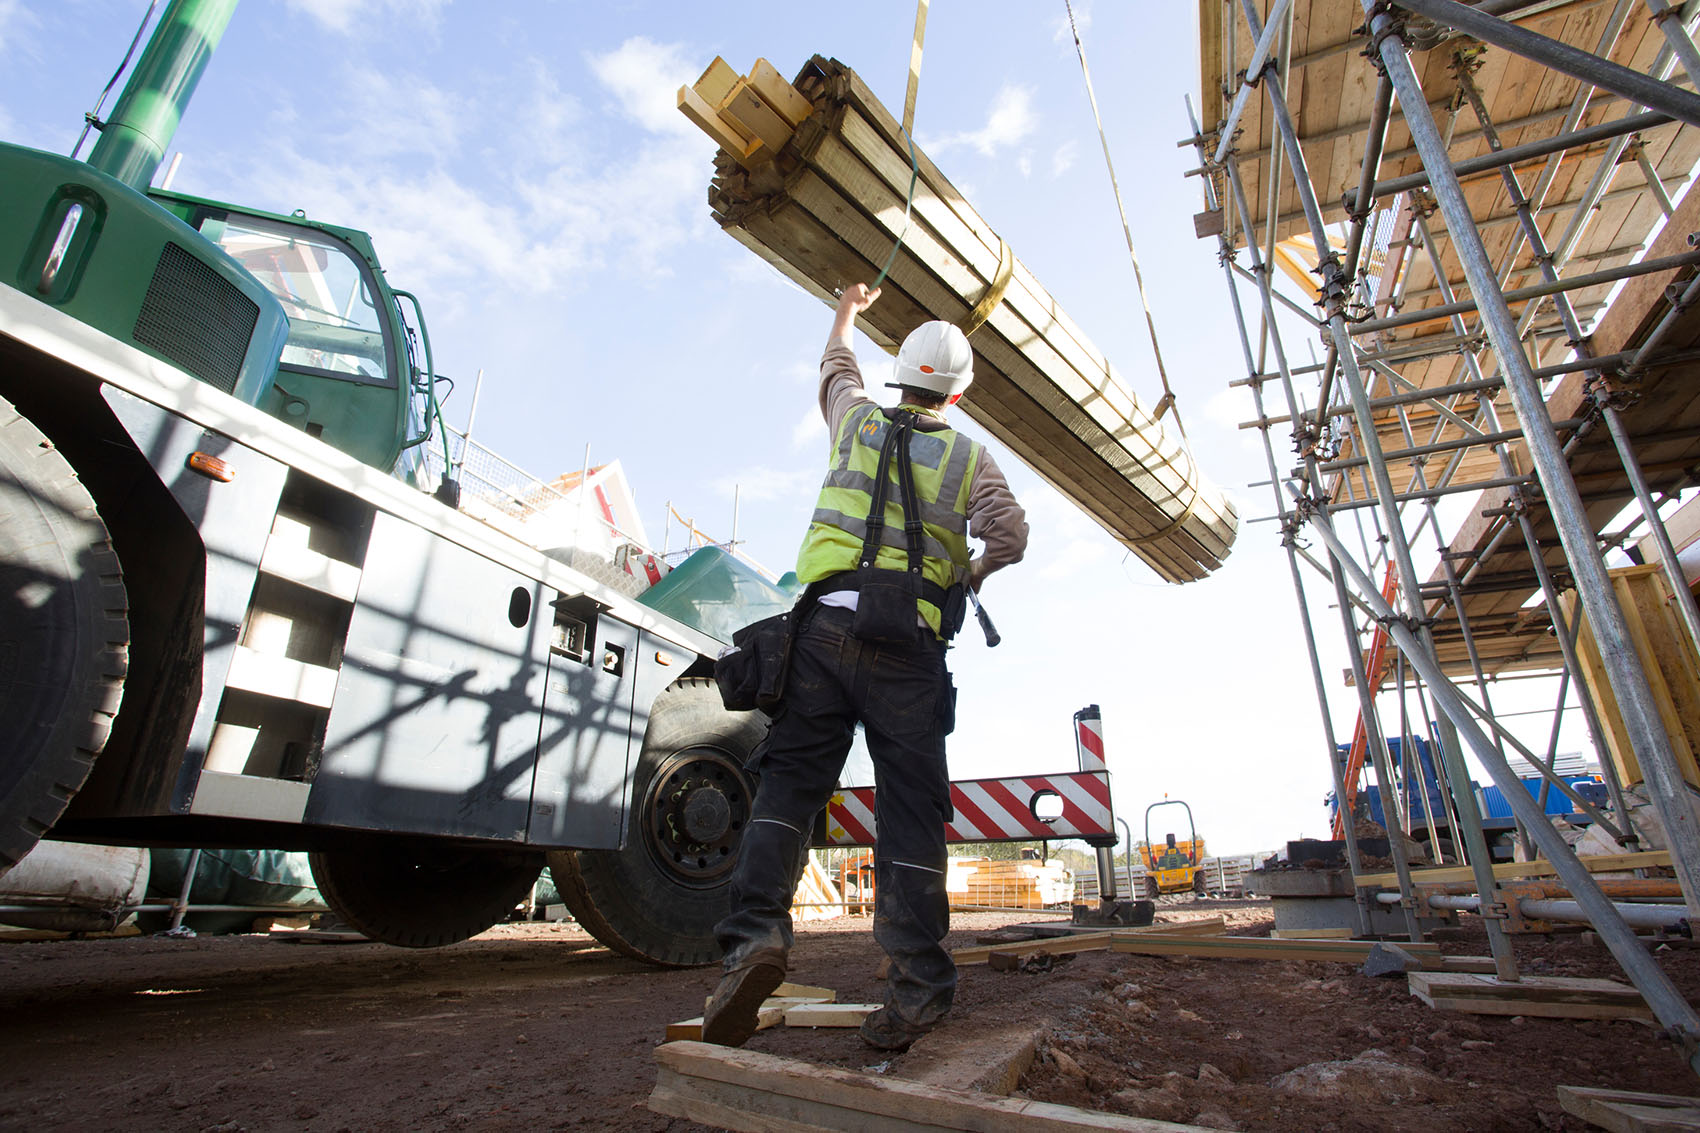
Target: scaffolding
(1505,286)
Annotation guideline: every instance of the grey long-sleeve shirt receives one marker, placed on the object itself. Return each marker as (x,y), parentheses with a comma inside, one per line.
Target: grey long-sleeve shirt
(994,516)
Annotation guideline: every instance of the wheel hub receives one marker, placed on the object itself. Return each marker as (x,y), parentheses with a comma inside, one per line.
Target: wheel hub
(708,814)
(696,814)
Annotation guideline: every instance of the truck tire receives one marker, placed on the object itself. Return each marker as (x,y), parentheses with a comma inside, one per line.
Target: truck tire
(658,899)
(64,635)
(420,893)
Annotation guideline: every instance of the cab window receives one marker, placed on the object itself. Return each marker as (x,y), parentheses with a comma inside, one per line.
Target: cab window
(335,327)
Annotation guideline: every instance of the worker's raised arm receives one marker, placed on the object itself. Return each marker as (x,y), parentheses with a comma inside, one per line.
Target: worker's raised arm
(856,299)
(840,377)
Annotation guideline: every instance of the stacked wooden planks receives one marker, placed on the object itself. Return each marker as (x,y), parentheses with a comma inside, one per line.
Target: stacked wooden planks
(1008,884)
(1226,876)
(823,200)
(817,898)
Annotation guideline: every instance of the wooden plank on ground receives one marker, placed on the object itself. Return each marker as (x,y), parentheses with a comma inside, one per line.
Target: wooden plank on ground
(685,1029)
(771,1013)
(985,1059)
(805,991)
(1055,945)
(1457,963)
(1312,934)
(1555,997)
(1204,926)
(1596,863)
(1254,947)
(749,1091)
(1630,1111)
(829,1014)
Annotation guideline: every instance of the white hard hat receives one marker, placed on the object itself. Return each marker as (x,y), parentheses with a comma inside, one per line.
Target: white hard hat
(936,357)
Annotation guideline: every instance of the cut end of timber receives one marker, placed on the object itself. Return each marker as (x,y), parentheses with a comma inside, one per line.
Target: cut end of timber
(751,118)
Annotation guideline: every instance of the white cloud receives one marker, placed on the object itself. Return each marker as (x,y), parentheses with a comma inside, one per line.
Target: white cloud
(469,201)
(552,115)
(395,117)
(1229,406)
(762,484)
(16,22)
(1060,32)
(1025,165)
(1075,558)
(645,77)
(809,431)
(1063,159)
(1010,120)
(348,16)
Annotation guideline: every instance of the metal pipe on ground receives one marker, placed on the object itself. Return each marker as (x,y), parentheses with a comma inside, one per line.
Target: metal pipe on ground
(1665,917)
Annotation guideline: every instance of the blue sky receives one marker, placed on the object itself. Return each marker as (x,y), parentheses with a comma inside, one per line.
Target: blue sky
(522,169)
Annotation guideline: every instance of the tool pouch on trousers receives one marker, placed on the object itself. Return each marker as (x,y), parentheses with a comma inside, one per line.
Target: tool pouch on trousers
(751,672)
(954,611)
(885,606)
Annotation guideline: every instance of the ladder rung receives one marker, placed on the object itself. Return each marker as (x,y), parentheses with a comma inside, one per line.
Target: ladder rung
(280,677)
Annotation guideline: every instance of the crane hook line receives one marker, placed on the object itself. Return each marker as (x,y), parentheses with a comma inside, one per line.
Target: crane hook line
(1168,402)
(1115,187)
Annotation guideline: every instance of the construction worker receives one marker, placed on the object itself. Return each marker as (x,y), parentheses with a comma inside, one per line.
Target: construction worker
(899,690)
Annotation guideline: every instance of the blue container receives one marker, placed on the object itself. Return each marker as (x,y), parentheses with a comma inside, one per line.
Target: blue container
(1494,804)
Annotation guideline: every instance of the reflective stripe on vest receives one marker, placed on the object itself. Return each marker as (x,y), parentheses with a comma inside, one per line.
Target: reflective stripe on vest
(943,462)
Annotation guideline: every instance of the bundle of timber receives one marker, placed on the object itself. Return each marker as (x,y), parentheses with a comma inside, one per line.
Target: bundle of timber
(1129,881)
(814,178)
(1226,876)
(1008,885)
(817,898)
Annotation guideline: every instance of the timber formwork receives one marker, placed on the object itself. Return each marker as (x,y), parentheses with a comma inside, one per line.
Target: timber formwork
(1482,212)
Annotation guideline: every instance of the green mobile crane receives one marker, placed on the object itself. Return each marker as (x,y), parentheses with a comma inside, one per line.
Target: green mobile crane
(230,615)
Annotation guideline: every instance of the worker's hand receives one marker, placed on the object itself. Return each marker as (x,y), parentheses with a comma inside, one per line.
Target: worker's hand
(976,573)
(856,299)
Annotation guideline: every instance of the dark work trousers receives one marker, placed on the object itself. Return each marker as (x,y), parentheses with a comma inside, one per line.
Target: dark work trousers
(902,696)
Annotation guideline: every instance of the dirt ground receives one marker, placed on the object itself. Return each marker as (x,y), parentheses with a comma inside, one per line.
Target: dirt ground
(534,1026)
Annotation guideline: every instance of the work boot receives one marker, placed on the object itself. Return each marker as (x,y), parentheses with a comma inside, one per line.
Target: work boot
(731,1016)
(883,1030)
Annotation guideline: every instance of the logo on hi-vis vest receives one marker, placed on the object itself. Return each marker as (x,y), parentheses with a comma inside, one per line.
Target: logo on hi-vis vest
(924,448)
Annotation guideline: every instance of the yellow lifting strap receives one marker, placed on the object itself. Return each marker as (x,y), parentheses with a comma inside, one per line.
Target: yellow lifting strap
(909,136)
(915,66)
(1167,402)
(993,294)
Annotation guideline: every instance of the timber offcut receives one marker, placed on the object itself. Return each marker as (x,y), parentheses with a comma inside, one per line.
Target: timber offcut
(814,177)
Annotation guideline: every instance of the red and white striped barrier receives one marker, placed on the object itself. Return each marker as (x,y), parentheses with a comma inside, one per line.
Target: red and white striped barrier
(993,810)
(1089,739)
(1006,810)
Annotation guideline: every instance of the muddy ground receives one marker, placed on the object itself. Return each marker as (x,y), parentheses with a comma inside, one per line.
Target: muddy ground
(534,1026)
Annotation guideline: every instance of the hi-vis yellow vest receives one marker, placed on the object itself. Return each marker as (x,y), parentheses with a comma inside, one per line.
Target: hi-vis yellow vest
(943,463)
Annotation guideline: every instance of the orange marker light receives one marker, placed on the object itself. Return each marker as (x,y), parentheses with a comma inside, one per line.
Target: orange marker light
(926,369)
(211,467)
(663,658)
